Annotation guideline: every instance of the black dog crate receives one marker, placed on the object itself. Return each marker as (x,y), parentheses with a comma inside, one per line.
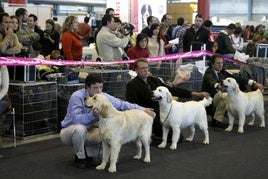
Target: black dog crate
(36,108)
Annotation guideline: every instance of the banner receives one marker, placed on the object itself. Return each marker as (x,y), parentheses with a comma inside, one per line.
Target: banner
(17,2)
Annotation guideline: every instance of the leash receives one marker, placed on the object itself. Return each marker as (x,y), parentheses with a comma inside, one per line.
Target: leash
(167,115)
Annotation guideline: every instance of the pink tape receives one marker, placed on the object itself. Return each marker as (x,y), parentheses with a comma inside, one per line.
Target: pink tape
(13,61)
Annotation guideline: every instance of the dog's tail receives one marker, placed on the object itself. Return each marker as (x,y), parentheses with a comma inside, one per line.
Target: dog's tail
(206,101)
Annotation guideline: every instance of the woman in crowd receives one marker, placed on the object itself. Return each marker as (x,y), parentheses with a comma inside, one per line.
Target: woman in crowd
(237,40)
(52,38)
(155,47)
(71,43)
(9,43)
(163,33)
(140,49)
(15,26)
(258,34)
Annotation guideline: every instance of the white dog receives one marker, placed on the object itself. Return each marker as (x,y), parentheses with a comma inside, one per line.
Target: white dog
(240,104)
(120,127)
(177,115)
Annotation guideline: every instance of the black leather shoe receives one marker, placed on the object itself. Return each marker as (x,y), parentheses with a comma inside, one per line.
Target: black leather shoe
(215,123)
(92,162)
(80,163)
(156,140)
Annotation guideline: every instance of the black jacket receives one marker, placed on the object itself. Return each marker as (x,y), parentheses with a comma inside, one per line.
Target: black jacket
(210,79)
(202,35)
(137,91)
(224,44)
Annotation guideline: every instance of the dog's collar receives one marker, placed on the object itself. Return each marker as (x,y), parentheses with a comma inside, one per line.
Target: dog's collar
(167,115)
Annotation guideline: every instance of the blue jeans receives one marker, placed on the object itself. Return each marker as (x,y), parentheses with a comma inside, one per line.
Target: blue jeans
(3,106)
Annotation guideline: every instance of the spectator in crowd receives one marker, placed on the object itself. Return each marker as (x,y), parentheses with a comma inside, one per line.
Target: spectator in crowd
(212,84)
(258,34)
(237,40)
(208,25)
(178,32)
(150,20)
(109,11)
(33,25)
(139,50)
(163,28)
(167,20)
(84,31)
(4,99)
(57,26)
(25,35)
(14,23)
(108,43)
(249,32)
(71,43)
(265,37)
(256,39)
(224,41)
(9,43)
(214,47)
(155,46)
(139,91)
(195,36)
(52,38)
(80,128)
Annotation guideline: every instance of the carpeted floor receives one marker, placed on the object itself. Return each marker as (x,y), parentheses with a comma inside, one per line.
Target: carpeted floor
(228,156)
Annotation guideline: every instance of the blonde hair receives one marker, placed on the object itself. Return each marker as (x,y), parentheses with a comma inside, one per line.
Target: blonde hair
(68,23)
(162,28)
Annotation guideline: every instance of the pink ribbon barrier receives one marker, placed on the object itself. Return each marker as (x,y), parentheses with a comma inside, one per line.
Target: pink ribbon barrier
(13,61)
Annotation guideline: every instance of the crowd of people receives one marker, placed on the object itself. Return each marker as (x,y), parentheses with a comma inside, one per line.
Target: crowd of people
(20,35)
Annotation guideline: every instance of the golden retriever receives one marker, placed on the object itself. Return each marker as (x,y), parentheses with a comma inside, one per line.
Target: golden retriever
(120,127)
(240,104)
(177,115)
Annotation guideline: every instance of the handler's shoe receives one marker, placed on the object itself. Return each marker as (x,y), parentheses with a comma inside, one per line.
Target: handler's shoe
(215,123)
(80,163)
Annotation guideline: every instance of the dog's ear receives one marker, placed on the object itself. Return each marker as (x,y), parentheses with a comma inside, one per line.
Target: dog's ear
(169,97)
(237,89)
(104,110)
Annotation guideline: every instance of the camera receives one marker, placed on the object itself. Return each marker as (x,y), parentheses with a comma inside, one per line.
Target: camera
(128,28)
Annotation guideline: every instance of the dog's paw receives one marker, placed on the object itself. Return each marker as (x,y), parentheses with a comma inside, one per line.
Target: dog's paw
(101,167)
(229,129)
(173,147)
(262,125)
(206,142)
(112,169)
(147,159)
(251,123)
(240,130)
(162,145)
(137,157)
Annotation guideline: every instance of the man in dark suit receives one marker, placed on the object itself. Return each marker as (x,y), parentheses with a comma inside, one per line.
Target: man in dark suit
(139,91)
(212,84)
